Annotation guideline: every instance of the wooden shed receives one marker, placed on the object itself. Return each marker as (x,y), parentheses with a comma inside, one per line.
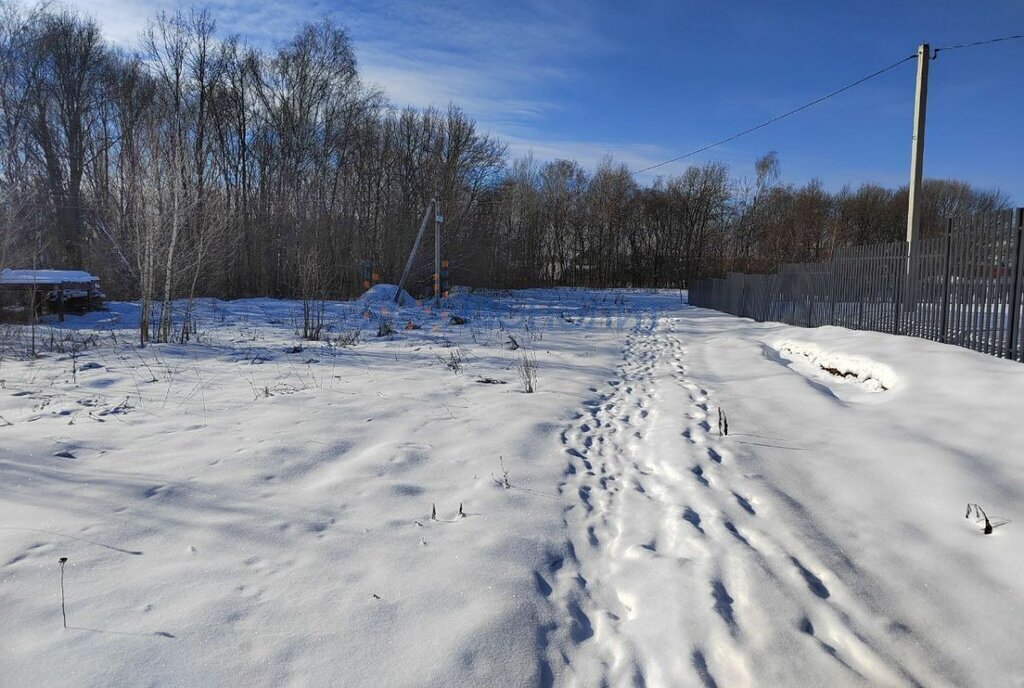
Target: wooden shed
(47,291)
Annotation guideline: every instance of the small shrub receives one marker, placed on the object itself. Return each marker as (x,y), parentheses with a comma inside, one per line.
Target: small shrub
(385,329)
(503,481)
(454,360)
(723,423)
(349,337)
(258,393)
(527,366)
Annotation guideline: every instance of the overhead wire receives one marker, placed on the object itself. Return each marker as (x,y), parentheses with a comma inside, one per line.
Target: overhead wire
(975,44)
(775,119)
(823,98)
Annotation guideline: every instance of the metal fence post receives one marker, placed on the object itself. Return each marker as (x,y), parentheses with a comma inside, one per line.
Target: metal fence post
(946,277)
(902,288)
(1012,348)
(897,297)
(860,299)
(832,291)
(813,285)
(792,299)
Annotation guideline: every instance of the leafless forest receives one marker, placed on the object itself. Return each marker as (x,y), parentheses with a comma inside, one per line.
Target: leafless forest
(195,164)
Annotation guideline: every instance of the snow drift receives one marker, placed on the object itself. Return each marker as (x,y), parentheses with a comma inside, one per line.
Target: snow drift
(811,358)
(380,294)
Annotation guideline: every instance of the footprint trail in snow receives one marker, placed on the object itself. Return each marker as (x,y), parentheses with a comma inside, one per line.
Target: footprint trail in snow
(677,570)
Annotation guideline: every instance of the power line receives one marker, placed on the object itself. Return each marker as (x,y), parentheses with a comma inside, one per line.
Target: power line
(935,52)
(773,120)
(975,44)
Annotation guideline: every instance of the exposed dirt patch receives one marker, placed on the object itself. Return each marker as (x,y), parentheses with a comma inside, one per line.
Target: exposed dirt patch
(847,374)
(860,372)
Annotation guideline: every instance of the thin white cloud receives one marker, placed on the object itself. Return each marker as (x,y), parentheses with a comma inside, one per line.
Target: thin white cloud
(488,62)
(491,96)
(496,63)
(121,20)
(491,61)
(587,153)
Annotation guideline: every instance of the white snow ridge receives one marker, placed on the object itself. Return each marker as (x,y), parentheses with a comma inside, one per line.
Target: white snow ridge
(687,499)
(833,367)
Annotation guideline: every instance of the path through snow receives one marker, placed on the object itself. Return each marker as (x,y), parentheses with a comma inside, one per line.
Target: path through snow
(673,574)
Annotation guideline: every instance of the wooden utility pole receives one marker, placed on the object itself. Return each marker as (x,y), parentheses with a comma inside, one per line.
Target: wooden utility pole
(917,149)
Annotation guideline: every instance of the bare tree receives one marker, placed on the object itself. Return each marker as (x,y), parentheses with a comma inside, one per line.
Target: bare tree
(65,104)
(204,166)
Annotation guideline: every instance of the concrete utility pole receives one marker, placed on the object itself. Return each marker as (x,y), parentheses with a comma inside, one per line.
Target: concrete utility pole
(438,219)
(917,149)
(431,208)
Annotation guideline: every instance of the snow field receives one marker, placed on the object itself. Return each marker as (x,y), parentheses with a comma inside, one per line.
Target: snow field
(237,514)
(221,536)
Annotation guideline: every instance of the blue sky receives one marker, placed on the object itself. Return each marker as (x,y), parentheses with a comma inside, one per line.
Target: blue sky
(647,80)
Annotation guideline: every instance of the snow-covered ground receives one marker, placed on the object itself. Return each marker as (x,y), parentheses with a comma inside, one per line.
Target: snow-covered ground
(251,509)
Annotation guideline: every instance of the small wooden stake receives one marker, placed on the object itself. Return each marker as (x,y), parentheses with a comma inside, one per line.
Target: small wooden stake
(63,613)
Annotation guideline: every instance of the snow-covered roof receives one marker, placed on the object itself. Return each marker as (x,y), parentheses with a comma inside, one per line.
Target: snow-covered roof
(12,276)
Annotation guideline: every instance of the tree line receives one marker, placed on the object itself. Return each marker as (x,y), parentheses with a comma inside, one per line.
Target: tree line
(553,223)
(196,164)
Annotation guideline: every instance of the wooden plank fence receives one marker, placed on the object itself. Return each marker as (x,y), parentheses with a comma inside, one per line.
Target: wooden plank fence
(964,288)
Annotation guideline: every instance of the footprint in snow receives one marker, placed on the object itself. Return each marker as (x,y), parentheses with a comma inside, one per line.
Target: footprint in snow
(814,583)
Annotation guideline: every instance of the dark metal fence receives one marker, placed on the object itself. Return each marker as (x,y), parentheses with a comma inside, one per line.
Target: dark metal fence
(962,288)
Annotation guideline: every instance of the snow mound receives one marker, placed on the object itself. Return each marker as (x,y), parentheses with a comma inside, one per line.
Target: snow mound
(870,375)
(385,293)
